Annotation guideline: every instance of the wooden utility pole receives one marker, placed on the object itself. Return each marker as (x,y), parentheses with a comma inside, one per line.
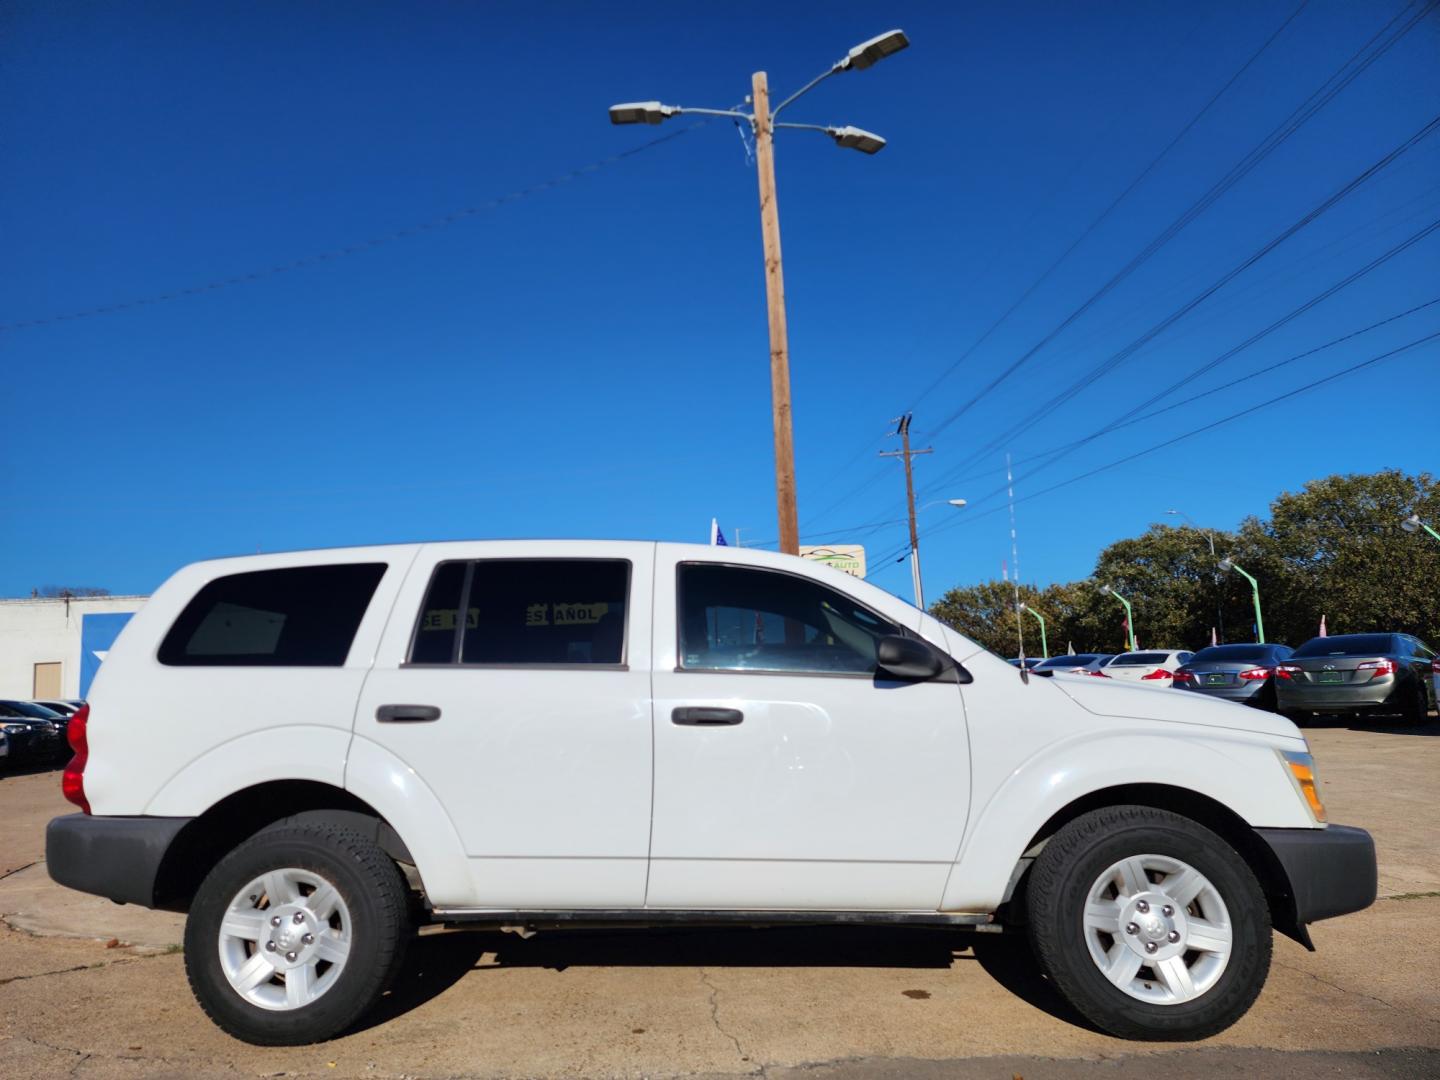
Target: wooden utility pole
(775,303)
(903,430)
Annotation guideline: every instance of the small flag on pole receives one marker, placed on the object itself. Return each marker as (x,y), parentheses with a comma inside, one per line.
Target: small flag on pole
(1322,625)
(1214,637)
(717,538)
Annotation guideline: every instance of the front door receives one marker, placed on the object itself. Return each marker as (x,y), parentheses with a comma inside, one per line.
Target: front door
(787,775)
(528,715)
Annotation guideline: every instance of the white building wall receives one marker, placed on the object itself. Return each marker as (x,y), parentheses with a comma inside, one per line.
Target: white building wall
(42,631)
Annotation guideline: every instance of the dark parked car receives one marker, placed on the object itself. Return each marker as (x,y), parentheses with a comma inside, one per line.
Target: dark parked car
(1085,663)
(64,708)
(1358,673)
(36,711)
(30,737)
(1241,673)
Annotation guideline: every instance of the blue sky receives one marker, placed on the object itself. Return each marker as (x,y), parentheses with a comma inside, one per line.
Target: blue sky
(589,357)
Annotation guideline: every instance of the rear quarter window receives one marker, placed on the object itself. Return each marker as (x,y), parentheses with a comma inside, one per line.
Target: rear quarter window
(303,616)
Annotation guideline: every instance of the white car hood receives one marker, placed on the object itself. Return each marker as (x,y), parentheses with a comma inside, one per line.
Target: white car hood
(1140,702)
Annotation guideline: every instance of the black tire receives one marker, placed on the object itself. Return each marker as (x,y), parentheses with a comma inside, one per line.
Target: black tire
(373,890)
(1417,706)
(1059,885)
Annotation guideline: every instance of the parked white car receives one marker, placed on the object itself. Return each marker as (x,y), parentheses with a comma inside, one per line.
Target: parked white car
(308,751)
(1152,666)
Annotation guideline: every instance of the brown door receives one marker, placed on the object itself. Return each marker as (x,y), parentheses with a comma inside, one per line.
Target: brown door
(47,681)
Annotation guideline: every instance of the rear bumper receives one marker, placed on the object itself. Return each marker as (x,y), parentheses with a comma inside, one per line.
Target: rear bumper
(1331,871)
(115,857)
(1339,698)
(1244,694)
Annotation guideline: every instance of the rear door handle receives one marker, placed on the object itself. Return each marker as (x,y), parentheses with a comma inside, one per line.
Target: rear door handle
(407,714)
(705,716)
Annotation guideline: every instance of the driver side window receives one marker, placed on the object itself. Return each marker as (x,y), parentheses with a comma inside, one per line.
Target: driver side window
(739,619)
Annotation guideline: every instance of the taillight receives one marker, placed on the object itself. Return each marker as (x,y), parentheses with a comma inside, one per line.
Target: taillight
(1256,673)
(1158,673)
(1435,665)
(72,782)
(1184,676)
(1379,667)
(1288,671)
(1096,674)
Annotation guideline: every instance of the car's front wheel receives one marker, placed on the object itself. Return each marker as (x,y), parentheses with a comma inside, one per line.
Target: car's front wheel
(296,934)
(1150,924)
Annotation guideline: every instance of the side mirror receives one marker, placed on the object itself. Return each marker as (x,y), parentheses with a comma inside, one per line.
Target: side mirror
(907,658)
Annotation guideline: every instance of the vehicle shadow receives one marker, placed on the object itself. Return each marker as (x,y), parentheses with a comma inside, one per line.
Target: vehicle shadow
(10,769)
(1381,725)
(438,961)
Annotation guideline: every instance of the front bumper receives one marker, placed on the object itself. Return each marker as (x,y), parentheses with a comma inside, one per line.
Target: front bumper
(1331,871)
(114,857)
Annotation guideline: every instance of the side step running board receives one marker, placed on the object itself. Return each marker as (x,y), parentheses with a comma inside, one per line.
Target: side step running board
(636,917)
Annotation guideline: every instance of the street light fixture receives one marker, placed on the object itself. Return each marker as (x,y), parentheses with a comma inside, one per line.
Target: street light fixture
(1129,614)
(1044,644)
(1227,564)
(959,504)
(1413,524)
(763,122)
(1210,538)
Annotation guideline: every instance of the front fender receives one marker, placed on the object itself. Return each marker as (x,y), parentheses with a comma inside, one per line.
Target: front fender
(1240,773)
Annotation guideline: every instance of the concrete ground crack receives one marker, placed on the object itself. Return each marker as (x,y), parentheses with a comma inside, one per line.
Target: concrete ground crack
(1355,993)
(715,1019)
(17,869)
(66,971)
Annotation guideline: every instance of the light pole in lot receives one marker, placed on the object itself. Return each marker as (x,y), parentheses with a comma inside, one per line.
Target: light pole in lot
(959,504)
(1129,613)
(1413,524)
(763,123)
(1209,536)
(1044,645)
(1228,563)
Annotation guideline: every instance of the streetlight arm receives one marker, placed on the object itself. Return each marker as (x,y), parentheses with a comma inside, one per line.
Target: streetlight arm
(835,69)
(683,110)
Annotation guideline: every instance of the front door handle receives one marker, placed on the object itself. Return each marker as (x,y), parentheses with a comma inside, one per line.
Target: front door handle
(705,716)
(407,714)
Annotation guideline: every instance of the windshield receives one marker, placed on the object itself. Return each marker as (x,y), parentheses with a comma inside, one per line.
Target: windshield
(1348,645)
(1138,659)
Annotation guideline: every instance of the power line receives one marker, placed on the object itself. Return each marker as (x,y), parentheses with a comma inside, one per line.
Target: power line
(1191,400)
(1317,100)
(444,221)
(1235,350)
(1118,358)
(1307,388)
(1103,216)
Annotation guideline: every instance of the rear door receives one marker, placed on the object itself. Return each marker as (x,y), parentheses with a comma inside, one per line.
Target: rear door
(528,715)
(787,775)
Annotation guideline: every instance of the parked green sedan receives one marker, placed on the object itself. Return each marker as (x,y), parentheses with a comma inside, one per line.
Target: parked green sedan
(1357,673)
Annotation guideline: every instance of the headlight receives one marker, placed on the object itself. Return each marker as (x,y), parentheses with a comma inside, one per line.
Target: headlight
(16,729)
(1301,770)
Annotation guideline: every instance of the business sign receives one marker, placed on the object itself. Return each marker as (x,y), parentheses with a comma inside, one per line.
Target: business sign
(97,633)
(847,558)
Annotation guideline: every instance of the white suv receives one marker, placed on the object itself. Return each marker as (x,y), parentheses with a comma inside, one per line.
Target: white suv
(310,752)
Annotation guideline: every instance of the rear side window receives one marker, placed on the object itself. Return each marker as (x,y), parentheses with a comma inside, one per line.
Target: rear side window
(520,612)
(304,616)
(1078,660)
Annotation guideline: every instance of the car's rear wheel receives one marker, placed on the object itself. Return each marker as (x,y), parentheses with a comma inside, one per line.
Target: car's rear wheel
(1416,707)
(1150,924)
(296,934)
